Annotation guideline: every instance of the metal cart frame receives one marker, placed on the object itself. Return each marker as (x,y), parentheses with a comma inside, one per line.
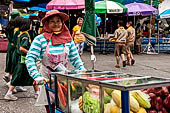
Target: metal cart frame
(124,89)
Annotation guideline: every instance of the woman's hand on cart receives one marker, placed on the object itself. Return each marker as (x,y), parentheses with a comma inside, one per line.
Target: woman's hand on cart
(40,81)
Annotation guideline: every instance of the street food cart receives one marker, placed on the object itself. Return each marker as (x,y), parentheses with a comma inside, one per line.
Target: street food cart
(106,79)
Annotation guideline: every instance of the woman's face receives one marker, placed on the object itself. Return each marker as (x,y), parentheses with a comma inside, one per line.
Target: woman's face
(80,22)
(55,24)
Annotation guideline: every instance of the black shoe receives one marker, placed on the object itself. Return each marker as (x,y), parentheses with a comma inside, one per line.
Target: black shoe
(124,63)
(132,62)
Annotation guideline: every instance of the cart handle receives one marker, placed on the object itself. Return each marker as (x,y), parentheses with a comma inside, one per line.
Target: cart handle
(42,82)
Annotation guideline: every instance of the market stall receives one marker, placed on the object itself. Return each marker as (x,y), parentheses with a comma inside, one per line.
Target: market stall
(94,92)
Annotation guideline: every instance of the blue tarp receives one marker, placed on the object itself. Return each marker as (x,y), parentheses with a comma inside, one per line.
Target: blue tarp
(35,8)
(28,16)
(21,0)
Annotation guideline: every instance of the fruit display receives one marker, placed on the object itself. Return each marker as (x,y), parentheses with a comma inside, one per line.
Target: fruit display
(97,90)
(113,109)
(108,91)
(61,95)
(139,102)
(151,100)
(159,99)
(142,98)
(134,105)
(80,103)
(142,110)
(107,99)
(90,105)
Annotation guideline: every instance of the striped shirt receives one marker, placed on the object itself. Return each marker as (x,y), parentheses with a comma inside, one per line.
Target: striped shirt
(37,51)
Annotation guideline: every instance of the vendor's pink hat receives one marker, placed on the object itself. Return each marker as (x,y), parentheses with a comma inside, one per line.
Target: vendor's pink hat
(55,12)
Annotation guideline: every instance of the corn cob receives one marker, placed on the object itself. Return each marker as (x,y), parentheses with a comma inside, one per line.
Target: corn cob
(116,96)
(134,105)
(141,98)
(80,103)
(142,110)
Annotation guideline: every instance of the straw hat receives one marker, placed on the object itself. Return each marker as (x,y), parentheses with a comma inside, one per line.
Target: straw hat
(64,16)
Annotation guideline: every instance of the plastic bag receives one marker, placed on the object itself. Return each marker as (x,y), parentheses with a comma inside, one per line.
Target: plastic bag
(42,97)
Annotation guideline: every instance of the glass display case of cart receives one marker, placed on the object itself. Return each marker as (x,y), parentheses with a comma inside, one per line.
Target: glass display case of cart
(106,92)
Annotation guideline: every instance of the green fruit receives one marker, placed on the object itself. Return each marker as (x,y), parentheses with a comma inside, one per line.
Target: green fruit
(73,87)
(107,99)
(108,91)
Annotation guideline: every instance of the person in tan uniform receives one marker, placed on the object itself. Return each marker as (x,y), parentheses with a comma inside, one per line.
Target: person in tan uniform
(130,43)
(120,37)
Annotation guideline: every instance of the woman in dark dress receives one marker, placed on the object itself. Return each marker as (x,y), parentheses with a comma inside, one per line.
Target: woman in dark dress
(9,31)
(20,75)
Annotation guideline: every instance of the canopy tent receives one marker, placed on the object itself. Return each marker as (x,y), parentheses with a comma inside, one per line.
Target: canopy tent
(165,14)
(135,9)
(164,6)
(109,7)
(154,2)
(66,4)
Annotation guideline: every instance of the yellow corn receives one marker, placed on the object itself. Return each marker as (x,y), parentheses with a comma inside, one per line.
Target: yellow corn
(134,105)
(141,98)
(141,110)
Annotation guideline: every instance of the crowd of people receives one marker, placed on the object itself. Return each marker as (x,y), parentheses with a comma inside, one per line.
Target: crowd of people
(53,47)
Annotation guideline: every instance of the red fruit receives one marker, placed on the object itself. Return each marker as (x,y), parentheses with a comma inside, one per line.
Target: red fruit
(143,90)
(65,84)
(152,96)
(152,111)
(61,95)
(164,110)
(165,91)
(166,102)
(64,89)
(150,90)
(158,91)
(153,99)
(159,103)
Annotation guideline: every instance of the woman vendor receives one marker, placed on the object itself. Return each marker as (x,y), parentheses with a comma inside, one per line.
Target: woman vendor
(54,46)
